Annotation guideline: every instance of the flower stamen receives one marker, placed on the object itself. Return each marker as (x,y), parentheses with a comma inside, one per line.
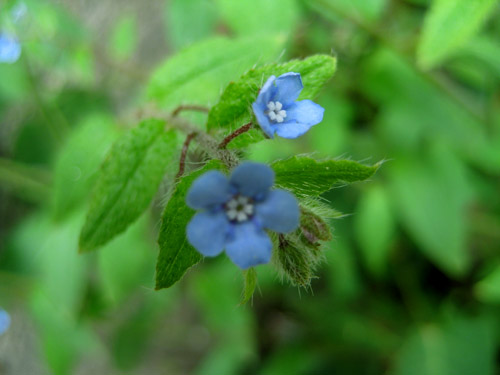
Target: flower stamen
(275,111)
(239,208)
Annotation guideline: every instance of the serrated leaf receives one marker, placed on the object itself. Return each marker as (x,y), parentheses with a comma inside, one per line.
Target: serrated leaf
(197,74)
(252,17)
(176,254)
(449,24)
(250,282)
(78,162)
(127,182)
(306,176)
(234,107)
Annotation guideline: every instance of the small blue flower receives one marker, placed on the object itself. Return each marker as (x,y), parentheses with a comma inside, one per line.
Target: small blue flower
(278,111)
(236,211)
(10,49)
(4,321)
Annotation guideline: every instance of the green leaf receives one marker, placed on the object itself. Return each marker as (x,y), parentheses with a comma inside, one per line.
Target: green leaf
(367,10)
(250,278)
(124,38)
(78,162)
(253,17)
(375,228)
(488,289)
(189,21)
(128,181)
(306,176)
(460,345)
(234,107)
(197,74)
(176,254)
(448,25)
(430,196)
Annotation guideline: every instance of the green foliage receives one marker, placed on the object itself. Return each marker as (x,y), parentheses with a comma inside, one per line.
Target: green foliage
(78,162)
(189,21)
(449,25)
(375,228)
(127,182)
(234,107)
(369,10)
(306,176)
(250,282)
(176,254)
(124,38)
(488,288)
(196,74)
(253,17)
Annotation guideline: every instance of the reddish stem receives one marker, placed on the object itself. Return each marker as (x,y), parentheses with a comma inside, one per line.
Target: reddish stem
(235,134)
(185,147)
(181,108)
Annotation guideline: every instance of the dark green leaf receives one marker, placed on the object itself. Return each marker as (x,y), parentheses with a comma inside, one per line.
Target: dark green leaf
(176,254)
(250,279)
(234,107)
(306,176)
(128,181)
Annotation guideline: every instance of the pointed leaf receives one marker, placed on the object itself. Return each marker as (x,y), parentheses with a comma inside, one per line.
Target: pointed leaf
(250,279)
(128,181)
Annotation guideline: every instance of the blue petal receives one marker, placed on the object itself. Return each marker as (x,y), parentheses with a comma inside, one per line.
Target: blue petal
(4,321)
(299,119)
(249,246)
(207,232)
(207,190)
(279,212)
(252,179)
(267,91)
(262,119)
(10,49)
(289,87)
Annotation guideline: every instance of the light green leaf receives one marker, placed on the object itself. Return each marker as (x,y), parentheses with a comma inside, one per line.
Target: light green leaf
(78,162)
(128,181)
(251,17)
(250,282)
(375,228)
(176,254)
(448,25)
(234,107)
(430,196)
(189,21)
(488,289)
(366,10)
(124,38)
(461,345)
(485,49)
(306,176)
(197,74)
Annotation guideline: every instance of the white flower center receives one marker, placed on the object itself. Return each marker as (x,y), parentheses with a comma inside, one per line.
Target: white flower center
(239,208)
(274,112)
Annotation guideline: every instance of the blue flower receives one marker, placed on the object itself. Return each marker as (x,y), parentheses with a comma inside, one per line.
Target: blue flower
(236,211)
(10,49)
(4,321)
(278,111)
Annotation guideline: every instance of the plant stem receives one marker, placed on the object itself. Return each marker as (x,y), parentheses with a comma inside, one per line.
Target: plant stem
(185,147)
(24,181)
(197,108)
(235,134)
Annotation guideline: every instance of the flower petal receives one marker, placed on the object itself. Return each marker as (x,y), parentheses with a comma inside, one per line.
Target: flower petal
(289,87)
(267,91)
(207,232)
(263,120)
(249,246)
(299,119)
(279,212)
(252,179)
(4,321)
(207,190)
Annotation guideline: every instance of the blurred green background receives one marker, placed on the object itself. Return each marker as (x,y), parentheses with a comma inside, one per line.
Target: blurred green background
(411,282)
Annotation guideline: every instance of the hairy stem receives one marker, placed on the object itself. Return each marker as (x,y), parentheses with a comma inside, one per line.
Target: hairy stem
(185,147)
(235,134)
